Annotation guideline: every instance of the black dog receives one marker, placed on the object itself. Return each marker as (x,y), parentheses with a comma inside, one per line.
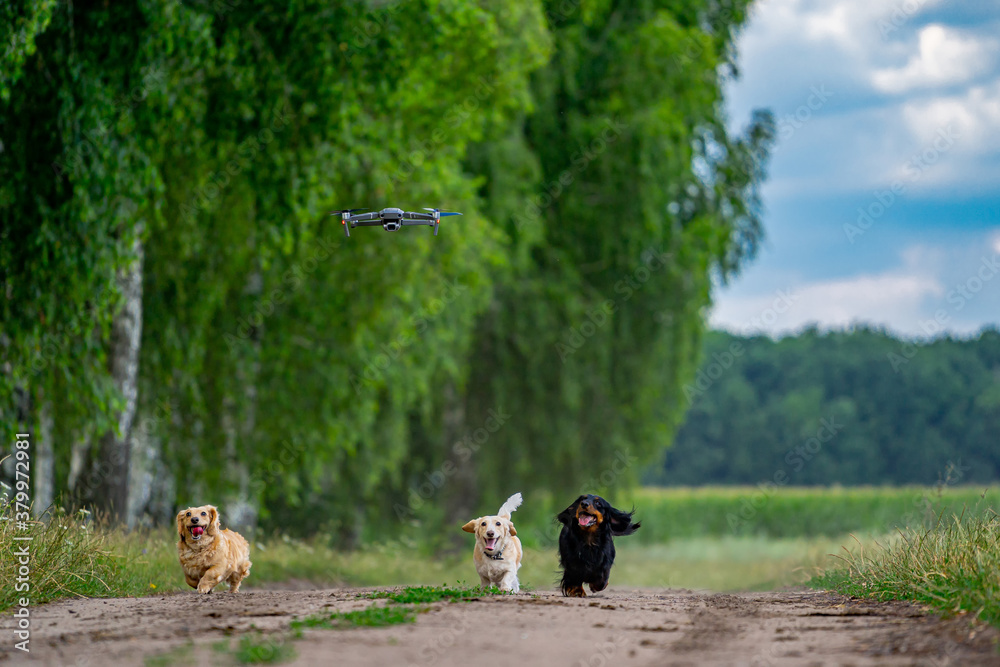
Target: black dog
(586,547)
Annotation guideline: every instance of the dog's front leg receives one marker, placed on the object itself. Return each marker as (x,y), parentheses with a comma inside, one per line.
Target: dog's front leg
(572,586)
(211,579)
(510,583)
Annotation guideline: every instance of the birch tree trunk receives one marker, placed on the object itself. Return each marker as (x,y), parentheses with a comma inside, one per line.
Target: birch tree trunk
(22,413)
(43,461)
(143,464)
(111,494)
(78,465)
(241,509)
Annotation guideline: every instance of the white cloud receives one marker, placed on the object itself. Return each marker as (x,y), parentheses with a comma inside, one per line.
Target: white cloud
(956,285)
(833,304)
(954,140)
(945,57)
(833,23)
(975,115)
(895,82)
(851,26)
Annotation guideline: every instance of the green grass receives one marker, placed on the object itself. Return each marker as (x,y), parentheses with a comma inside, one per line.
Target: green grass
(953,566)
(263,650)
(426,594)
(374,616)
(726,563)
(250,649)
(403,608)
(181,655)
(67,558)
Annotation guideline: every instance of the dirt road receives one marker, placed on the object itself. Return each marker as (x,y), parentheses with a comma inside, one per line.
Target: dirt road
(621,627)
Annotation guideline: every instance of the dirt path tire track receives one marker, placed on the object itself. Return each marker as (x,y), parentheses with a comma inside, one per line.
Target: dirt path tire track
(619,628)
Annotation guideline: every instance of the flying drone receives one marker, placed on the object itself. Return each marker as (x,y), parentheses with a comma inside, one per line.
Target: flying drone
(390,219)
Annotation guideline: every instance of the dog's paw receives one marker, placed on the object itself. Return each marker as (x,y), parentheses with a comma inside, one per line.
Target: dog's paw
(575,592)
(597,586)
(205,588)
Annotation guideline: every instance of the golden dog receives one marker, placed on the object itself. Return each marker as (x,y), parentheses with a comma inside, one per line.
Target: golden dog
(209,554)
(497,553)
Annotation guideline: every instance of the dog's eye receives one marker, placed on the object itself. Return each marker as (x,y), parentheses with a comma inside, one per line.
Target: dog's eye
(498,523)
(484,523)
(189,513)
(203,514)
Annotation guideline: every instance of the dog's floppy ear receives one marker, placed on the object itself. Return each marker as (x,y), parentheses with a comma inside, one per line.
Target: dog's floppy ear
(180,524)
(567,515)
(510,527)
(471,526)
(213,518)
(621,522)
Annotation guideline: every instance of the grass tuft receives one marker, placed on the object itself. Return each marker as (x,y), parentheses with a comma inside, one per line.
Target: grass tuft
(67,557)
(425,594)
(374,616)
(263,650)
(953,566)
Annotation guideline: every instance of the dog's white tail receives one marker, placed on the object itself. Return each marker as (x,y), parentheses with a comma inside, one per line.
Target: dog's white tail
(512,504)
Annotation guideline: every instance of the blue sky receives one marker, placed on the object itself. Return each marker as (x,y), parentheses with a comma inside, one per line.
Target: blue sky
(883,197)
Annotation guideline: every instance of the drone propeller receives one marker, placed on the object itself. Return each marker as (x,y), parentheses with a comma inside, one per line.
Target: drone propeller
(440,212)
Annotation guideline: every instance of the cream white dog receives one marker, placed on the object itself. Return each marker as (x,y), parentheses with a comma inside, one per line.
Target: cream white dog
(497,553)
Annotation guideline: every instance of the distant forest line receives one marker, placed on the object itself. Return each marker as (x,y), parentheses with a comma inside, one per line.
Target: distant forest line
(854,407)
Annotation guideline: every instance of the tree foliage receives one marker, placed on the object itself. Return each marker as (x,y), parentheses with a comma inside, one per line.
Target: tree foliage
(637,196)
(283,364)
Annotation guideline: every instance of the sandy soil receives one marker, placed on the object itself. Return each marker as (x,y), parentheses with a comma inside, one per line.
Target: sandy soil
(620,627)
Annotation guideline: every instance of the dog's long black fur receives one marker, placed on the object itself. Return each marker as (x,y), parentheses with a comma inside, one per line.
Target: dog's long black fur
(587,554)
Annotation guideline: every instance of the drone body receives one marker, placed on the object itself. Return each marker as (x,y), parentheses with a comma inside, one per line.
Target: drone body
(390,219)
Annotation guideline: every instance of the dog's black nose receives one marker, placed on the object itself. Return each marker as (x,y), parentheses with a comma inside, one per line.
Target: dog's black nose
(489,533)
(584,504)
(194,519)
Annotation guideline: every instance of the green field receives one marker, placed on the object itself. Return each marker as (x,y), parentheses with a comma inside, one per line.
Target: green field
(669,514)
(686,542)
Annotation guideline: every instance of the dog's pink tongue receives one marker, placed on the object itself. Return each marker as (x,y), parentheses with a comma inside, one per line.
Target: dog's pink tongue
(490,543)
(586,520)
(197,530)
